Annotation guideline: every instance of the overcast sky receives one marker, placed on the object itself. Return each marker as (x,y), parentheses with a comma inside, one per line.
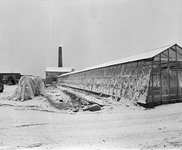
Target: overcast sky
(90,31)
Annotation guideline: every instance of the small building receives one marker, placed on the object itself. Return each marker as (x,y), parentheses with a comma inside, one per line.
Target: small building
(53,72)
(6,77)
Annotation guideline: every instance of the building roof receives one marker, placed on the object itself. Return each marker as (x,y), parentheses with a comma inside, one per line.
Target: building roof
(59,69)
(140,56)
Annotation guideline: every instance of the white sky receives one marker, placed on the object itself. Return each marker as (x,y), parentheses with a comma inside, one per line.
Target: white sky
(90,31)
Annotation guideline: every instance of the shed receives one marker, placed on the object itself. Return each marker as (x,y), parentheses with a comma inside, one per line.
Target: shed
(4,77)
(53,72)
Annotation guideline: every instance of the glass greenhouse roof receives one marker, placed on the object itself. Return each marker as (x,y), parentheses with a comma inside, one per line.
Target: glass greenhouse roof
(140,56)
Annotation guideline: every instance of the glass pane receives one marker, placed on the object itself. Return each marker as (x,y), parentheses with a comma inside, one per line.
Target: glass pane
(140,63)
(173,83)
(156,58)
(179,54)
(123,69)
(148,63)
(172,72)
(108,71)
(156,64)
(172,55)
(138,71)
(156,88)
(150,90)
(128,69)
(179,71)
(179,84)
(164,60)
(164,56)
(116,70)
(119,69)
(133,70)
(164,76)
(165,85)
(100,72)
(128,64)
(113,71)
(134,64)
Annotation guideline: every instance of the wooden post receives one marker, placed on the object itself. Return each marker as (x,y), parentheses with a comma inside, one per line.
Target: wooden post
(160,78)
(152,85)
(176,72)
(60,59)
(168,76)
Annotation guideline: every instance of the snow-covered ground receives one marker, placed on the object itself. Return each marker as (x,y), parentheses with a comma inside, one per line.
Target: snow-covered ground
(35,124)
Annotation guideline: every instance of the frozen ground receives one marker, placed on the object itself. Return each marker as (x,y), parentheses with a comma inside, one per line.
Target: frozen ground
(35,124)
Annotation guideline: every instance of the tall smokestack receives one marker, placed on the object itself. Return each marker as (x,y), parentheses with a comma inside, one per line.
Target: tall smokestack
(60,60)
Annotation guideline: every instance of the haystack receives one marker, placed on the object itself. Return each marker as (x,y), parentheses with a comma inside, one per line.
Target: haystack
(28,87)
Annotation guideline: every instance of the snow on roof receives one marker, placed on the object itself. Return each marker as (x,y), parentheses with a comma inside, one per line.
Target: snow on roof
(59,69)
(140,56)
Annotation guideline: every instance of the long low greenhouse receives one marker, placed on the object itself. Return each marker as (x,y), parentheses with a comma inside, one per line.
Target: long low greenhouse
(150,78)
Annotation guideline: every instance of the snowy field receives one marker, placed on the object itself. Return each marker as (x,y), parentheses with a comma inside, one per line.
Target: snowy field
(37,124)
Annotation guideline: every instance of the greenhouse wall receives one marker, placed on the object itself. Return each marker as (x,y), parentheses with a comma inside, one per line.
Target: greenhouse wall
(130,80)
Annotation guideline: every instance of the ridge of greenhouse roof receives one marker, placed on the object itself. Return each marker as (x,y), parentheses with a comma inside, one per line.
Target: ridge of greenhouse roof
(139,56)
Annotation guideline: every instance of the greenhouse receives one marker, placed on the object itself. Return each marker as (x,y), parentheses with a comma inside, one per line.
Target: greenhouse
(150,78)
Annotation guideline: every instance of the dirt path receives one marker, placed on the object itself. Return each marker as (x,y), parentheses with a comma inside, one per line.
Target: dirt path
(116,127)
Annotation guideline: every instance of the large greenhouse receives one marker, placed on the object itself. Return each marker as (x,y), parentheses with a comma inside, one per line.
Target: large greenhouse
(150,78)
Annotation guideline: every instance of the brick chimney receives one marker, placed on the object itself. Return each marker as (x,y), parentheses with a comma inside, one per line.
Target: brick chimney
(60,60)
